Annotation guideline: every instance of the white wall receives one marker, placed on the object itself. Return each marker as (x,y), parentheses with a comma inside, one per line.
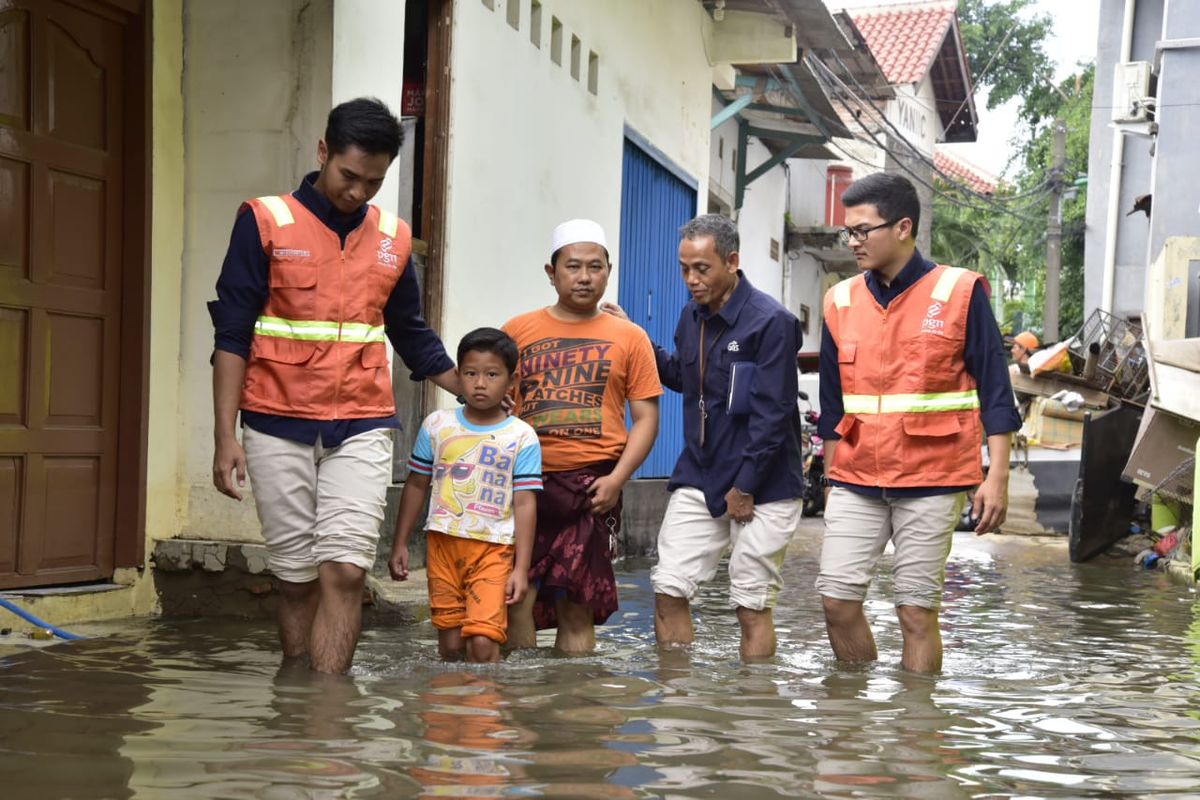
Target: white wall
(530,146)
(242,138)
(863,158)
(805,287)
(807,191)
(760,221)
(805,277)
(722,169)
(368,63)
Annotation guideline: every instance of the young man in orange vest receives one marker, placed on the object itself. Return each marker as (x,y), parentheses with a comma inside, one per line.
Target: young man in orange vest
(311,284)
(913,375)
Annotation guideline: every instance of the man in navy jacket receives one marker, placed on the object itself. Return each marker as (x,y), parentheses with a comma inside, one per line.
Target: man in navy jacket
(739,477)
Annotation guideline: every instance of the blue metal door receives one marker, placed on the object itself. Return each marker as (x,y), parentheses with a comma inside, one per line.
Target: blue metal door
(654,204)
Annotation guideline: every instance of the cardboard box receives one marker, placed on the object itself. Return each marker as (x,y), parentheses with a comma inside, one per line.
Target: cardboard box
(1164,442)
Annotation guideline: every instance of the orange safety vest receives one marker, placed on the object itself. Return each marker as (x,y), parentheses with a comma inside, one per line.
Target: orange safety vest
(911,410)
(318,350)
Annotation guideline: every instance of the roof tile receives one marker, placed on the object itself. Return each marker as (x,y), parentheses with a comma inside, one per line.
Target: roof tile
(905,38)
(963,171)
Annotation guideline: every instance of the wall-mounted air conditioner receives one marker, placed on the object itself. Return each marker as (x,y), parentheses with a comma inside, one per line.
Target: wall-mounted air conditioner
(1131,91)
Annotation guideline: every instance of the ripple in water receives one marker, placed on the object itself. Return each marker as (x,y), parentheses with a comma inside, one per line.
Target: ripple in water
(1060,681)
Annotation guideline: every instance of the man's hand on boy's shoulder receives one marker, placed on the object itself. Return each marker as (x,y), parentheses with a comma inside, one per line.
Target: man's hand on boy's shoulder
(398,564)
(516,587)
(614,309)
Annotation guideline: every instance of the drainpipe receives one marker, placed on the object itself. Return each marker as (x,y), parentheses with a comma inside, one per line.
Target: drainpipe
(1114,179)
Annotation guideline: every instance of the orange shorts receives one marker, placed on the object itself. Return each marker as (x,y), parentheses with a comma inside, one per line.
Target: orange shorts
(466,585)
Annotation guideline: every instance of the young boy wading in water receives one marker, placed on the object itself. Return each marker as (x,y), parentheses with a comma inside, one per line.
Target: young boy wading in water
(482,465)
(578,368)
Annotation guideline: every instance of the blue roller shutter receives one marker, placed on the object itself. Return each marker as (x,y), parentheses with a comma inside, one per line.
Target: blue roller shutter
(654,204)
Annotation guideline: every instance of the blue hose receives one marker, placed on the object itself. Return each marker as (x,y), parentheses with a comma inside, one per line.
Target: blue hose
(30,618)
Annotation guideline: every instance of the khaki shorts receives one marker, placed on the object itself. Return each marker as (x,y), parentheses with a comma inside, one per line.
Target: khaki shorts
(857,528)
(691,543)
(317,504)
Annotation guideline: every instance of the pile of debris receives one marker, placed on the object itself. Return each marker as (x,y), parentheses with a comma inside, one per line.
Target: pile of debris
(1103,365)
(1132,405)
(1162,462)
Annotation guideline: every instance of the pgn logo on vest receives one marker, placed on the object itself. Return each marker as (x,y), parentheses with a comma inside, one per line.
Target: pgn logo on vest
(386,256)
(930,324)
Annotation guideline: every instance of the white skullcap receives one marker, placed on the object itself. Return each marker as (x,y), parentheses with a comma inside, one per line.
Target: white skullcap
(574,231)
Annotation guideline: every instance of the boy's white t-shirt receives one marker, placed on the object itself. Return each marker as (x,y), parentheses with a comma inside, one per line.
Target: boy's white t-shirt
(475,469)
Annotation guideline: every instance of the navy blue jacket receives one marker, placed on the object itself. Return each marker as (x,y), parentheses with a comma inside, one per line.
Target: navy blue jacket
(758,452)
(242,290)
(983,353)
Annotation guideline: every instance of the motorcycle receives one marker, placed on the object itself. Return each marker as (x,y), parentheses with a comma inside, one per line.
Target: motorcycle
(812,452)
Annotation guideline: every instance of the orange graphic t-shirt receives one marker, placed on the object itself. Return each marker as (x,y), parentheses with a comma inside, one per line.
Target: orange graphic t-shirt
(574,379)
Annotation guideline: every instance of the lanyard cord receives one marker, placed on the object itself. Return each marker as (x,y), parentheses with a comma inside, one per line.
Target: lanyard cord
(703,413)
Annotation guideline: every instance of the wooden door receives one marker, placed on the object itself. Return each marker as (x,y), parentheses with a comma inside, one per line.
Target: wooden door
(63,87)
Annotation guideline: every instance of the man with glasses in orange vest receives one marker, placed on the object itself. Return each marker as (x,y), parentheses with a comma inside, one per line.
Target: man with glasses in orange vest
(312,283)
(913,375)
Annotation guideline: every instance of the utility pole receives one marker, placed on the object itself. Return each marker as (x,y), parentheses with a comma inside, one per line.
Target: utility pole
(1054,233)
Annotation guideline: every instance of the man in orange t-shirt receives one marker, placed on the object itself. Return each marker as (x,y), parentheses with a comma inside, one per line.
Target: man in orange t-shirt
(578,367)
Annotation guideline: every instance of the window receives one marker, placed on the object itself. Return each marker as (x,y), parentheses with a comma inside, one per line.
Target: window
(535,24)
(576,54)
(556,35)
(513,12)
(593,72)
(774,249)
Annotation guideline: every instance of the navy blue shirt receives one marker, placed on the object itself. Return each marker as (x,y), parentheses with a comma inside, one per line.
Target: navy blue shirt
(242,290)
(757,452)
(983,353)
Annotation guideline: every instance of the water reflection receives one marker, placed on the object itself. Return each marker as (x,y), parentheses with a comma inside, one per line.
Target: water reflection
(1061,681)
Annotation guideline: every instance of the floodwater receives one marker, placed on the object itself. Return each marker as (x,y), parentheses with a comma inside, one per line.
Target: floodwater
(1060,680)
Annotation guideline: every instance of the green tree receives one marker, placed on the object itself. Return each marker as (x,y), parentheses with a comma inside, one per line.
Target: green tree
(1005,237)
(1004,50)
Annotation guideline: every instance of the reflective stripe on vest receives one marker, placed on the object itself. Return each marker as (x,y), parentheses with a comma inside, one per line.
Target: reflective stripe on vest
(841,294)
(389,223)
(317,331)
(945,284)
(910,403)
(279,210)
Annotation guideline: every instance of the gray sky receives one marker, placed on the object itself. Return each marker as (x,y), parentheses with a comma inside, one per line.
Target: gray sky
(1076,23)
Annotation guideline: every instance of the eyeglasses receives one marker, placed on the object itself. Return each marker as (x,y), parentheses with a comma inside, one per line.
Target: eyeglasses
(860,234)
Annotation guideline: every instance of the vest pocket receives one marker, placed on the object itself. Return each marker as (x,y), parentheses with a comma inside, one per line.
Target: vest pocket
(373,390)
(280,373)
(941,357)
(847,429)
(283,351)
(934,424)
(846,353)
(374,355)
(291,275)
(293,289)
(930,446)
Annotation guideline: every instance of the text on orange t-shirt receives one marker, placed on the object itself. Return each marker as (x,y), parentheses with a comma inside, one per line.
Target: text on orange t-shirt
(574,379)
